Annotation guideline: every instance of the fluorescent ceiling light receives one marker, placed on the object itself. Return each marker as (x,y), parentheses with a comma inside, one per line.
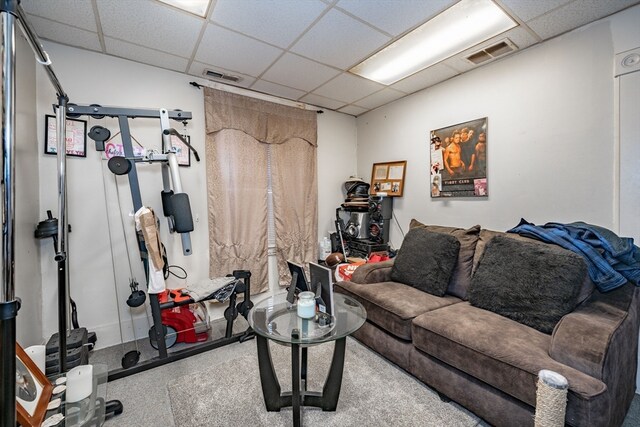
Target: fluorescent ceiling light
(458,28)
(197,7)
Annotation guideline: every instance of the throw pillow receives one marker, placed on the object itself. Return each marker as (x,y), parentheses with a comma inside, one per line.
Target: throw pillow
(533,284)
(426,261)
(461,278)
(485,237)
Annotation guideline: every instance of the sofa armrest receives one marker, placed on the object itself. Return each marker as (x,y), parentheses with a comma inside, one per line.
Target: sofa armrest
(373,273)
(600,332)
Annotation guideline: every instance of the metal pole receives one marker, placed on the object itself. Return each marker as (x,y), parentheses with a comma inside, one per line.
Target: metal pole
(41,54)
(61,253)
(7,291)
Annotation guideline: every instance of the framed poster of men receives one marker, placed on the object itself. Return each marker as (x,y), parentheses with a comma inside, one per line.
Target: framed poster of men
(458,160)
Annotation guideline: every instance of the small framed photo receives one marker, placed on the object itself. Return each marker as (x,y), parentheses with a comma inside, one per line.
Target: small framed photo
(183,154)
(388,178)
(76,137)
(33,390)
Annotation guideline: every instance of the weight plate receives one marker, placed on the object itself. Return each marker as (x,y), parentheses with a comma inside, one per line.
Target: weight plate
(119,165)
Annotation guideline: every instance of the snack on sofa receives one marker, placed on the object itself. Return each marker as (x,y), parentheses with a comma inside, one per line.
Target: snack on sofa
(476,314)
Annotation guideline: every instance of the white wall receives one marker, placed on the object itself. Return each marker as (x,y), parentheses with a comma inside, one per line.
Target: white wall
(28,282)
(336,163)
(94,78)
(552,135)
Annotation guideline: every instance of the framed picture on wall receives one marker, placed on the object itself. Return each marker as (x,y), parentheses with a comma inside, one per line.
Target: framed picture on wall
(183,153)
(76,137)
(388,178)
(33,390)
(458,160)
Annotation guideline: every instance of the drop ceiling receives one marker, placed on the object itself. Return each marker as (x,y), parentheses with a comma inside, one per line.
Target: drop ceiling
(294,49)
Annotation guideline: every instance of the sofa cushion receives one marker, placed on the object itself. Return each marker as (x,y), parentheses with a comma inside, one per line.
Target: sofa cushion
(391,305)
(485,237)
(495,350)
(426,261)
(468,238)
(532,284)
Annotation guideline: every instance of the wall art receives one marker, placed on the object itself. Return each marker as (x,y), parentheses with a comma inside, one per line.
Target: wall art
(458,160)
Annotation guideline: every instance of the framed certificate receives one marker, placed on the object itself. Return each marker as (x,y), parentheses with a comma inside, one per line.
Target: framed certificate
(183,154)
(76,137)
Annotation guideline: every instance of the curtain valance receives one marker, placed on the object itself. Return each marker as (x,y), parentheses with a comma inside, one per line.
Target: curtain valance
(263,120)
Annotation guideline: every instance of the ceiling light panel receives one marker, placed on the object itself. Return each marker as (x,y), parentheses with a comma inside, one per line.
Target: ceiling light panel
(460,27)
(197,7)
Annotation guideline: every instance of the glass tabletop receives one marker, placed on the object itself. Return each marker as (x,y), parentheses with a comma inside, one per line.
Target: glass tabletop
(275,318)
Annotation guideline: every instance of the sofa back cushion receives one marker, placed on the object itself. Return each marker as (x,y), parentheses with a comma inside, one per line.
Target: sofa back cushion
(461,278)
(426,261)
(485,237)
(527,282)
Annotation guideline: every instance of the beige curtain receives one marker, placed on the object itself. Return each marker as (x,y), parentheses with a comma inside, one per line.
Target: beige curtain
(295,204)
(239,130)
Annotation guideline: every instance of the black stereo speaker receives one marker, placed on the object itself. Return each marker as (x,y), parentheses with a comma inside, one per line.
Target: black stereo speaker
(380,212)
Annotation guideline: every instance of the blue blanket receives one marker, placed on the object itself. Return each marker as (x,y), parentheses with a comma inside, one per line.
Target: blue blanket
(612,260)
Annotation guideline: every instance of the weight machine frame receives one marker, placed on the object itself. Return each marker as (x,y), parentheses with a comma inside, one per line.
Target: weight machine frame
(11,11)
(123,115)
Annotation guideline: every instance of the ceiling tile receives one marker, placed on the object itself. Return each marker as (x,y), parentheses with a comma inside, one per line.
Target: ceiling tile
(64,34)
(348,88)
(150,24)
(71,12)
(300,73)
(279,23)
(145,55)
(425,78)
(277,90)
(575,14)
(527,10)
(518,35)
(321,101)
(339,40)
(385,96)
(354,110)
(234,51)
(197,69)
(393,16)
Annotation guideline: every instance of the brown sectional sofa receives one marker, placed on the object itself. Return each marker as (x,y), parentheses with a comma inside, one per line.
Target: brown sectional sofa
(489,363)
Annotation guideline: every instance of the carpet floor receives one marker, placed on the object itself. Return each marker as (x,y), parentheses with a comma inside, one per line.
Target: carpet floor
(373,392)
(222,388)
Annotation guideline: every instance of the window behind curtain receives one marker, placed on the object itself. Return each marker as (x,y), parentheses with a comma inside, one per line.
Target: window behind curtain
(261,170)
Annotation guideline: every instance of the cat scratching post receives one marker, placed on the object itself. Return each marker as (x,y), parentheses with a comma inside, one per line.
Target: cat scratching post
(551,399)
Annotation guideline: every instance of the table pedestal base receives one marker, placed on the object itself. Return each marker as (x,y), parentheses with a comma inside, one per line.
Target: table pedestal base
(274,399)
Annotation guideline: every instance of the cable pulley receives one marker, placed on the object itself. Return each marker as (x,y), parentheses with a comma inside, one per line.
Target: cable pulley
(119,165)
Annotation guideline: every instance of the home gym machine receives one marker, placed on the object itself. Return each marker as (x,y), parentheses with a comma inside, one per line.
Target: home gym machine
(178,212)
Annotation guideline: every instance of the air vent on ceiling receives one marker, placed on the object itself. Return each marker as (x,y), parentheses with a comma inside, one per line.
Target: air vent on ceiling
(217,75)
(491,52)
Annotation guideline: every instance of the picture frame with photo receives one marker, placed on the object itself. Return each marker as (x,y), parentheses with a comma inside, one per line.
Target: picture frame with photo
(33,390)
(388,177)
(76,138)
(183,153)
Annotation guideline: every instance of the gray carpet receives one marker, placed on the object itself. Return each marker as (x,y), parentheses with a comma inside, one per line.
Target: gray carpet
(221,387)
(373,392)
